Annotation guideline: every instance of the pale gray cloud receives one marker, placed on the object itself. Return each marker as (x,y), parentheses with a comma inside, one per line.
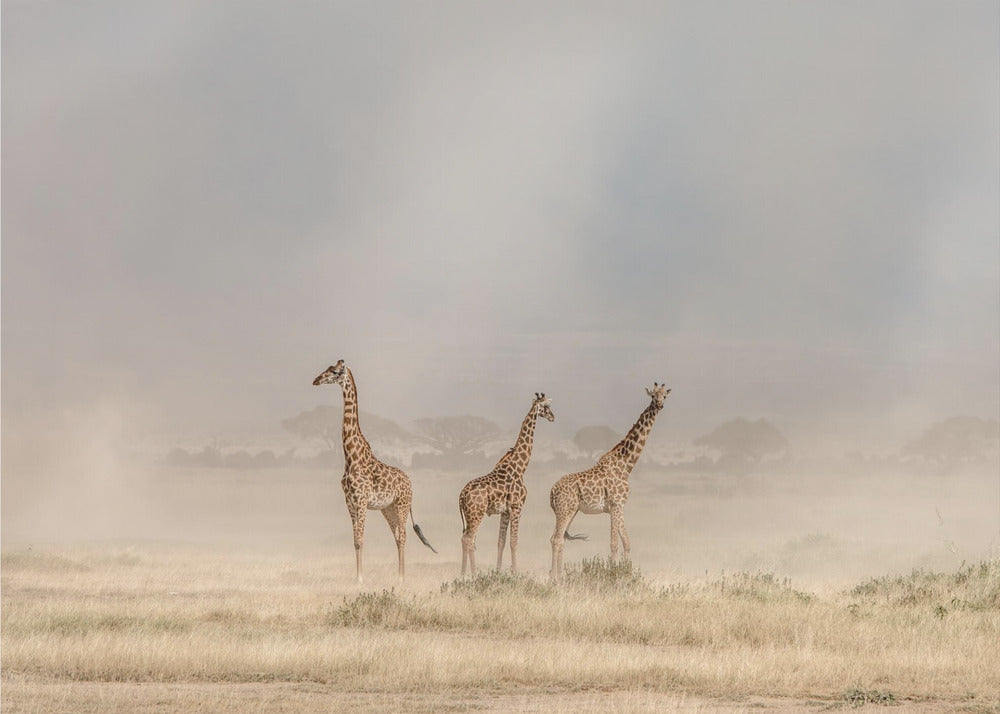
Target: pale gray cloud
(782,209)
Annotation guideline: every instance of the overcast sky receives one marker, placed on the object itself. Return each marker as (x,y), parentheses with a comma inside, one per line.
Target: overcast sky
(784,210)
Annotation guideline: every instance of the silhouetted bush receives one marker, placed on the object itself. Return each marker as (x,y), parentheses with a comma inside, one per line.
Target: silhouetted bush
(961,439)
(595,440)
(743,443)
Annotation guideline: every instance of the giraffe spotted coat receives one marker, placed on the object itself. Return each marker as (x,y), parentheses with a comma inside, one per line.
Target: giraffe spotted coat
(501,491)
(604,487)
(368,483)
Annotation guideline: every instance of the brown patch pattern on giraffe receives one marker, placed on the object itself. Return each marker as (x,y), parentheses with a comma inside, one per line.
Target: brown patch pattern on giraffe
(368,483)
(604,487)
(501,491)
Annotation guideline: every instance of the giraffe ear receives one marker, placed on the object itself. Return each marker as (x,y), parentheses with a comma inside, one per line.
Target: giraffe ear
(649,391)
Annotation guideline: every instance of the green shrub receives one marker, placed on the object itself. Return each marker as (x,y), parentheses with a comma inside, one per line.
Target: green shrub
(858,697)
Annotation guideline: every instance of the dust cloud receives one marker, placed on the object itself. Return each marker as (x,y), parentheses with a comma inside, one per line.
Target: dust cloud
(823,521)
(786,214)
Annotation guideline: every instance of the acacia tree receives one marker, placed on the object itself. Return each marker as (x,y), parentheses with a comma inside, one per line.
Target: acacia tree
(961,439)
(325,423)
(321,423)
(457,434)
(594,439)
(743,443)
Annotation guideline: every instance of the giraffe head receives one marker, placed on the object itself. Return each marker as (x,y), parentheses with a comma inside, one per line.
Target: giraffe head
(542,407)
(658,394)
(332,375)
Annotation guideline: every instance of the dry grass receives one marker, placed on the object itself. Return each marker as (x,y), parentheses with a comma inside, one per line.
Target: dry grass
(91,624)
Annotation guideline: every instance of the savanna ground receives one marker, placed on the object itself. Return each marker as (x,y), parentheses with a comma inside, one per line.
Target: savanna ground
(158,628)
(207,610)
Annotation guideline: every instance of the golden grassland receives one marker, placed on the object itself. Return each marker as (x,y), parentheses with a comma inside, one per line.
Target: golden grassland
(151,627)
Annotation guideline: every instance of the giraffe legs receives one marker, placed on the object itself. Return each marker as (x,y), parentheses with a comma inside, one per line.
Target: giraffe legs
(502,541)
(469,543)
(614,539)
(395,516)
(563,520)
(358,525)
(515,521)
(618,531)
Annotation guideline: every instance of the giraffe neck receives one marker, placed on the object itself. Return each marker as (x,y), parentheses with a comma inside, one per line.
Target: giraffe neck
(627,451)
(521,453)
(356,448)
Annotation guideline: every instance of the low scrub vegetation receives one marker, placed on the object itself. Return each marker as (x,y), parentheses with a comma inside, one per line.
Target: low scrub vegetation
(604,576)
(205,617)
(858,697)
(498,583)
(971,587)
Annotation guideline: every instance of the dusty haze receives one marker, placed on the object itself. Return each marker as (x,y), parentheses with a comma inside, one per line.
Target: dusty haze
(784,211)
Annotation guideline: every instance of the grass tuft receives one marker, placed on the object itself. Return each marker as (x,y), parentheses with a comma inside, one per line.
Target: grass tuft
(604,576)
(368,610)
(759,587)
(497,583)
(972,587)
(858,697)
(385,609)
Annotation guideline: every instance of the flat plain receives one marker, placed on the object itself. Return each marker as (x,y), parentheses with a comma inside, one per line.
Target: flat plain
(234,592)
(188,628)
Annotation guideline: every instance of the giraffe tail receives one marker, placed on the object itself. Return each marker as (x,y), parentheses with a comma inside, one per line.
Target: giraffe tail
(577,536)
(420,533)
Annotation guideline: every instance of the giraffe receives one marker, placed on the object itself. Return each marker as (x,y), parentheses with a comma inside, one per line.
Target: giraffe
(368,483)
(603,488)
(501,491)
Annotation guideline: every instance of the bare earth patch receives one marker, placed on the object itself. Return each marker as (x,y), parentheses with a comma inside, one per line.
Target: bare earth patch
(30,694)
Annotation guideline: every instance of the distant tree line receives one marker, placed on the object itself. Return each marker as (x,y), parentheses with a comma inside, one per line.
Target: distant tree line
(469,443)
(214,457)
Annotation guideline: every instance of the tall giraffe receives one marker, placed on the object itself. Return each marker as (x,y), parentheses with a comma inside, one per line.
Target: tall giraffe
(603,488)
(501,491)
(368,483)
